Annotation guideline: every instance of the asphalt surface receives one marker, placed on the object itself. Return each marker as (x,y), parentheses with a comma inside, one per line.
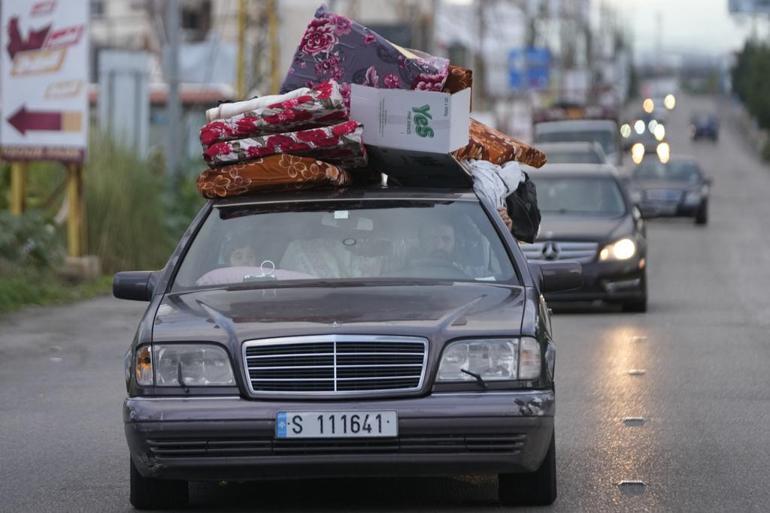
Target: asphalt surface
(699,380)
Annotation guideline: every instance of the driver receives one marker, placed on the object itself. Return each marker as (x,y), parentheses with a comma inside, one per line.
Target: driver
(438,241)
(243,255)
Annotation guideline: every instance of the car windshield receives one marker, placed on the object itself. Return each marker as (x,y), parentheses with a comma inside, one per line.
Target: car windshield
(574,157)
(605,138)
(677,171)
(336,240)
(579,195)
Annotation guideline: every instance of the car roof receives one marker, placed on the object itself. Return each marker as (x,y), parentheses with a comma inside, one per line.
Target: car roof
(556,147)
(574,124)
(350,193)
(587,170)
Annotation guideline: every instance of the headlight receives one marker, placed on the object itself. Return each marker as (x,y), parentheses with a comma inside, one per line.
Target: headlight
(620,250)
(664,152)
(692,197)
(493,360)
(192,364)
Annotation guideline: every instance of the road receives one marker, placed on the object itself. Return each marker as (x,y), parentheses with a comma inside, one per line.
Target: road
(694,368)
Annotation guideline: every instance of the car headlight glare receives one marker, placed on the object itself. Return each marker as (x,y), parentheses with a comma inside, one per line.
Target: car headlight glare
(492,360)
(619,250)
(191,365)
(664,152)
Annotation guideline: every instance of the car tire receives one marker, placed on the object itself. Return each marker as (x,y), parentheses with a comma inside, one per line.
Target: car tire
(536,488)
(638,305)
(148,493)
(702,216)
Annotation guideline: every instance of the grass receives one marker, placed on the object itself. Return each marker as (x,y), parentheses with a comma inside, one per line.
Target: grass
(31,288)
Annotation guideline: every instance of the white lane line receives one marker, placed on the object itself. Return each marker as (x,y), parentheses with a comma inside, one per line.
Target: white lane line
(639,338)
(632,486)
(637,372)
(634,421)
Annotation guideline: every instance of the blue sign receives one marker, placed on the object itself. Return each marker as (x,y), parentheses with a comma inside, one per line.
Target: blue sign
(529,68)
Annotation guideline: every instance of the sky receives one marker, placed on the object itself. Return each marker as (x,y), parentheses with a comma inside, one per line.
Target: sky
(701,26)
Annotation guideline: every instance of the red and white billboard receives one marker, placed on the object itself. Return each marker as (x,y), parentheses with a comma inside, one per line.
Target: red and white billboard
(44,80)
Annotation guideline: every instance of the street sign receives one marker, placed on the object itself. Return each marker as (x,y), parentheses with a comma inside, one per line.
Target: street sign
(44,80)
(749,6)
(528,68)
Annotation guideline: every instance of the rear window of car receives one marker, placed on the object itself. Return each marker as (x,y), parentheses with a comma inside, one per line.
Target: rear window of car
(345,240)
(676,170)
(579,195)
(574,157)
(605,138)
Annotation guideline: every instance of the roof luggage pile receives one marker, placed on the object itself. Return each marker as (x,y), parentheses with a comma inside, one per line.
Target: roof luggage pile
(354,105)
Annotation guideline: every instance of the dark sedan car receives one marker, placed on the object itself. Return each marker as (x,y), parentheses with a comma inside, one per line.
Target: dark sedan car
(588,217)
(704,126)
(344,333)
(677,188)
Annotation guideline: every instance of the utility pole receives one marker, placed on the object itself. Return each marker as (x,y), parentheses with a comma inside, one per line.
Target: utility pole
(240,86)
(172,101)
(479,78)
(272,28)
(658,40)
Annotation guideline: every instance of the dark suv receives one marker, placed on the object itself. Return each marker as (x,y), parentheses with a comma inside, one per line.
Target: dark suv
(343,333)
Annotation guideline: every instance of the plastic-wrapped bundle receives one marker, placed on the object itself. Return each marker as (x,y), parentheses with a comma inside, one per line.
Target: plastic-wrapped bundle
(272,173)
(321,106)
(230,109)
(495,183)
(335,47)
(338,144)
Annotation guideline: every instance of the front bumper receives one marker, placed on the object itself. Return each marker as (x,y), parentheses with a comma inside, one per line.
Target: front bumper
(606,281)
(230,438)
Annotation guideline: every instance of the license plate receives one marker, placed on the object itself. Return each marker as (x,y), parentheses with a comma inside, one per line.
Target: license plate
(663,195)
(325,424)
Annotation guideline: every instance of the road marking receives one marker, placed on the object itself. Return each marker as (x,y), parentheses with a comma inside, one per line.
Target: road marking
(634,421)
(632,486)
(56,359)
(639,338)
(637,372)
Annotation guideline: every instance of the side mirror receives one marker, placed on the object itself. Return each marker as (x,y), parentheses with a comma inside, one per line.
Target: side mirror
(134,285)
(557,276)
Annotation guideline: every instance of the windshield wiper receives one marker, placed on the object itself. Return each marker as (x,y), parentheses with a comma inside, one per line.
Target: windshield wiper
(478,377)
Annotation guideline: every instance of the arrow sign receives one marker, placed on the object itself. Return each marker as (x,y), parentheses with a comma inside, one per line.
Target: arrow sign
(23,120)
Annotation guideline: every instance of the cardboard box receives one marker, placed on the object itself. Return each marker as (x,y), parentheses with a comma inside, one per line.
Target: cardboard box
(425,121)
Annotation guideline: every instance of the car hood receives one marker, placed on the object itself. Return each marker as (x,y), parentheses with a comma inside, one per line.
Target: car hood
(577,228)
(432,311)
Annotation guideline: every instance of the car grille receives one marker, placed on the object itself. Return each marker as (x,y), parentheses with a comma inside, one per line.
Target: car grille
(510,443)
(335,365)
(561,250)
(665,195)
